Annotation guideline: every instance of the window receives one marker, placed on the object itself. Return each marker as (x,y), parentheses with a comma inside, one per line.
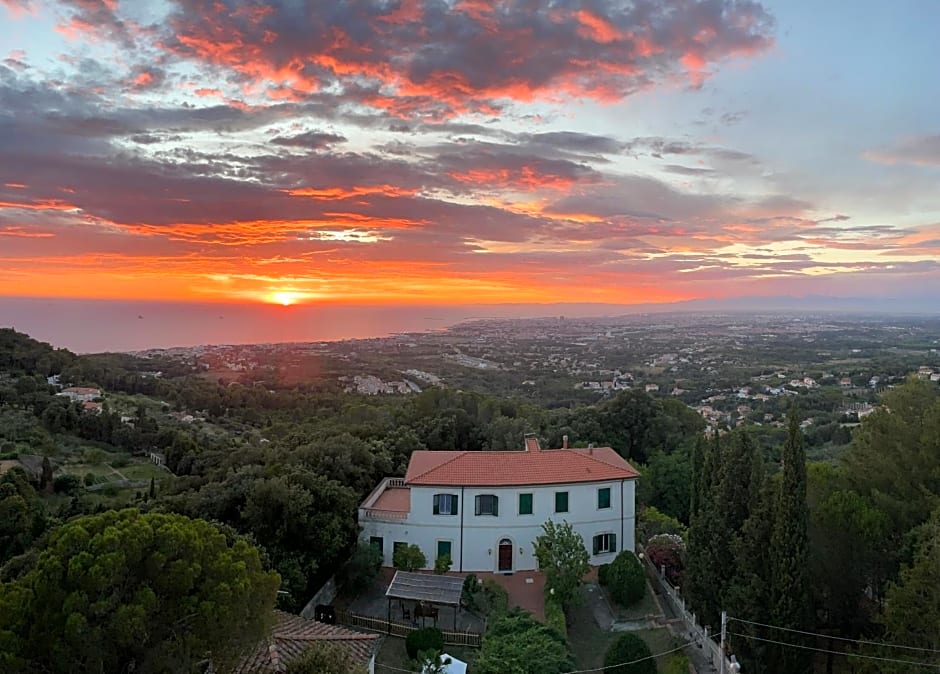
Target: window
(445,504)
(525,504)
(378,543)
(604,543)
(561,501)
(396,546)
(487,504)
(444,548)
(603,498)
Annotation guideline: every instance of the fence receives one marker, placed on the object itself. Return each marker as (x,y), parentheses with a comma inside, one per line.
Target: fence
(700,635)
(399,629)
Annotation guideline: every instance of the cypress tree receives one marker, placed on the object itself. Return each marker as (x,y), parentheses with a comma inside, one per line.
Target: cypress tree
(791,605)
(703,574)
(698,476)
(748,595)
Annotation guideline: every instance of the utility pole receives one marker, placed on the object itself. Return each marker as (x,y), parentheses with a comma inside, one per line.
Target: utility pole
(724,634)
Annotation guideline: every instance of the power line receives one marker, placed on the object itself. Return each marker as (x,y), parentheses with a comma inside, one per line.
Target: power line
(827,636)
(826,650)
(632,662)
(576,671)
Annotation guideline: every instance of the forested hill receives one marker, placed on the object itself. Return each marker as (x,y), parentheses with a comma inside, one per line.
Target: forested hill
(287,468)
(20,354)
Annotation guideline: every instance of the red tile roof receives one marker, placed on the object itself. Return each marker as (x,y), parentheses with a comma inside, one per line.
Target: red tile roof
(395,499)
(293,636)
(512,468)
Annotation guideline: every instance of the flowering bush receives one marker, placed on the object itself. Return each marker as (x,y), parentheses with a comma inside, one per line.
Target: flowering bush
(668,550)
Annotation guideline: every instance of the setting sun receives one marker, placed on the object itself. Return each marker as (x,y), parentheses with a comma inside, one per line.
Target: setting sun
(285,298)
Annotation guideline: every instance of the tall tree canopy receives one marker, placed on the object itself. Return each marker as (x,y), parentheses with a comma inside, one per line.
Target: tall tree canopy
(790,591)
(517,643)
(895,455)
(124,591)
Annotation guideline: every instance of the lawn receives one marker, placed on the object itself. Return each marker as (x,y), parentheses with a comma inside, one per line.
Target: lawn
(393,654)
(589,643)
(144,471)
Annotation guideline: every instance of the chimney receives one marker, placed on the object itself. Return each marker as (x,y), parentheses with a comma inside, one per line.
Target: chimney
(531,443)
(591,448)
(564,442)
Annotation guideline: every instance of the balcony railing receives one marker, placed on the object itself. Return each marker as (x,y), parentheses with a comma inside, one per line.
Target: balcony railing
(384,515)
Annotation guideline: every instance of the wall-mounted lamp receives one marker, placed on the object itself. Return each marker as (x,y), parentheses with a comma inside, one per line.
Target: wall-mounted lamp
(489,551)
(521,551)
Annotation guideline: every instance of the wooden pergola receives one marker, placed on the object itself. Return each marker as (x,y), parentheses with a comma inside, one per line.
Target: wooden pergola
(425,588)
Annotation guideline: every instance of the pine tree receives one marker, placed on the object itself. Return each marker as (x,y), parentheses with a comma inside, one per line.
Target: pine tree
(791,605)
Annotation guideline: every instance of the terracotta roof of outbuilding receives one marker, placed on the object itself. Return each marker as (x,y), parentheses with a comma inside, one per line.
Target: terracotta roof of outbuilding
(293,636)
(516,468)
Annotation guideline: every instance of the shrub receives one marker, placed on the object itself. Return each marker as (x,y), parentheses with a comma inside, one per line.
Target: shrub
(90,479)
(120,462)
(651,522)
(668,550)
(628,648)
(66,484)
(555,615)
(471,586)
(425,639)
(602,573)
(409,558)
(676,664)
(442,564)
(626,579)
(361,569)
(493,599)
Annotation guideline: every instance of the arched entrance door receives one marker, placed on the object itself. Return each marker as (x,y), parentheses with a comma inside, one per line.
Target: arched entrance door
(505,555)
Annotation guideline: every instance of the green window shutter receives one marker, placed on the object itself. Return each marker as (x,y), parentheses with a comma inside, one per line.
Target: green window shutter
(496,505)
(561,501)
(456,503)
(613,542)
(603,497)
(437,504)
(443,548)
(597,544)
(478,508)
(525,504)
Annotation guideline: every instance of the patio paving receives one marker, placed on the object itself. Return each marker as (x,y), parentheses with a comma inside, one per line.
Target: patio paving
(526,590)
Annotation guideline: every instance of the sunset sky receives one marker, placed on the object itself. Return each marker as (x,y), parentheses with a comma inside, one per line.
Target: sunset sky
(468,151)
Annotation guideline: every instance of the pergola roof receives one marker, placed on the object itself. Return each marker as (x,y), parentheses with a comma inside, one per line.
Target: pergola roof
(433,589)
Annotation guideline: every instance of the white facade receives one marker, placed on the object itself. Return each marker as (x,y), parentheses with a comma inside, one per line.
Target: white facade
(503,542)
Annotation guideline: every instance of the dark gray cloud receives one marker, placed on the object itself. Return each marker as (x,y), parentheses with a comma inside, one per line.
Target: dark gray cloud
(431,58)
(310,140)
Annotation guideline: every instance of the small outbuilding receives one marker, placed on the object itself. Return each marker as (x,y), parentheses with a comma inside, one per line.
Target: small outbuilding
(419,594)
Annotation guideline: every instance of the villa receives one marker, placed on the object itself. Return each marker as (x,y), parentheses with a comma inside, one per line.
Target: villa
(485,509)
